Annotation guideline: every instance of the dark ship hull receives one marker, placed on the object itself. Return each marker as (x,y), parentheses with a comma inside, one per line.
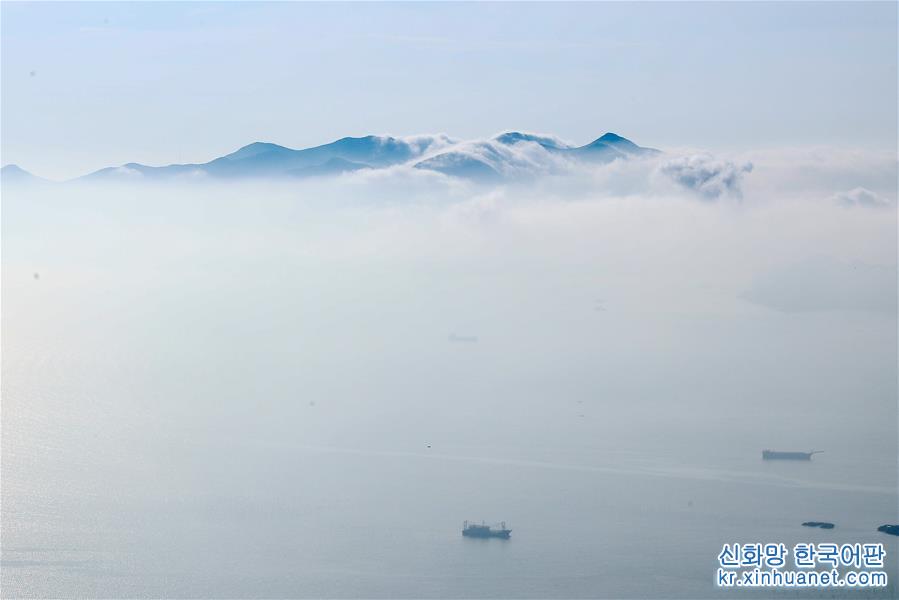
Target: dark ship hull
(485,531)
(776,455)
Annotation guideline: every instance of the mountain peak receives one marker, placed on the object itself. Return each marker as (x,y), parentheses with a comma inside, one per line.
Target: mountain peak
(12,169)
(610,137)
(16,174)
(513,137)
(613,140)
(615,144)
(255,149)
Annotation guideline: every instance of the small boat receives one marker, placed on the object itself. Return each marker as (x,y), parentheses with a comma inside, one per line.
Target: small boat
(820,524)
(778,455)
(485,531)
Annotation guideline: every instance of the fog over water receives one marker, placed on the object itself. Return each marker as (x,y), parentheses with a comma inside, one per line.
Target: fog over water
(301,389)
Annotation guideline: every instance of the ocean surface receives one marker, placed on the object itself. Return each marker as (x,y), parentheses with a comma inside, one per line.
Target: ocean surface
(233,399)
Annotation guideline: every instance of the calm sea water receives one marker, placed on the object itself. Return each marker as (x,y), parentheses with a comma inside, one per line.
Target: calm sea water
(200,406)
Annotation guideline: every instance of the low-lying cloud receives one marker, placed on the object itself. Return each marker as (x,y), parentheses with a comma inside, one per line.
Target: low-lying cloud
(710,177)
(223,310)
(826,284)
(638,215)
(862,197)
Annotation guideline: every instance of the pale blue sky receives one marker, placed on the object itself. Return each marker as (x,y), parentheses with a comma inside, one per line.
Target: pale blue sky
(182,82)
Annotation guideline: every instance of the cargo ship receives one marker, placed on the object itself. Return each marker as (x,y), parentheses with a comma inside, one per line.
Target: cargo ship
(485,531)
(777,455)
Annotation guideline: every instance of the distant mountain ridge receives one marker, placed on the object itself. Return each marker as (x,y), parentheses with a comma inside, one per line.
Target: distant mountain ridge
(483,160)
(16,174)
(487,160)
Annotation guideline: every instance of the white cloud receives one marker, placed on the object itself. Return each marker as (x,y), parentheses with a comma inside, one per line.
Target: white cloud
(127,172)
(862,197)
(818,173)
(823,283)
(708,176)
(427,143)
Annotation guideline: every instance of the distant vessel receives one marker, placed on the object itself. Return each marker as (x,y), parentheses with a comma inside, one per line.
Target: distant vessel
(777,455)
(485,531)
(471,339)
(821,524)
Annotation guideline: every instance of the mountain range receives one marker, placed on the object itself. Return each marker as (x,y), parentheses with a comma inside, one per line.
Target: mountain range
(504,155)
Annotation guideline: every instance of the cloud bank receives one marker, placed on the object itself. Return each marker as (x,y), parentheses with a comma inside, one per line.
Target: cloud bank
(664,216)
(824,283)
(708,176)
(862,197)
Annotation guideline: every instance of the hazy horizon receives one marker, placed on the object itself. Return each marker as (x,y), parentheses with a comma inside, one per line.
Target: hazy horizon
(88,86)
(301,389)
(297,374)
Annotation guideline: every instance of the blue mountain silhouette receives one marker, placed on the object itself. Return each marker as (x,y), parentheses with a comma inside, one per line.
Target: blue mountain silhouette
(17,175)
(486,164)
(485,160)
